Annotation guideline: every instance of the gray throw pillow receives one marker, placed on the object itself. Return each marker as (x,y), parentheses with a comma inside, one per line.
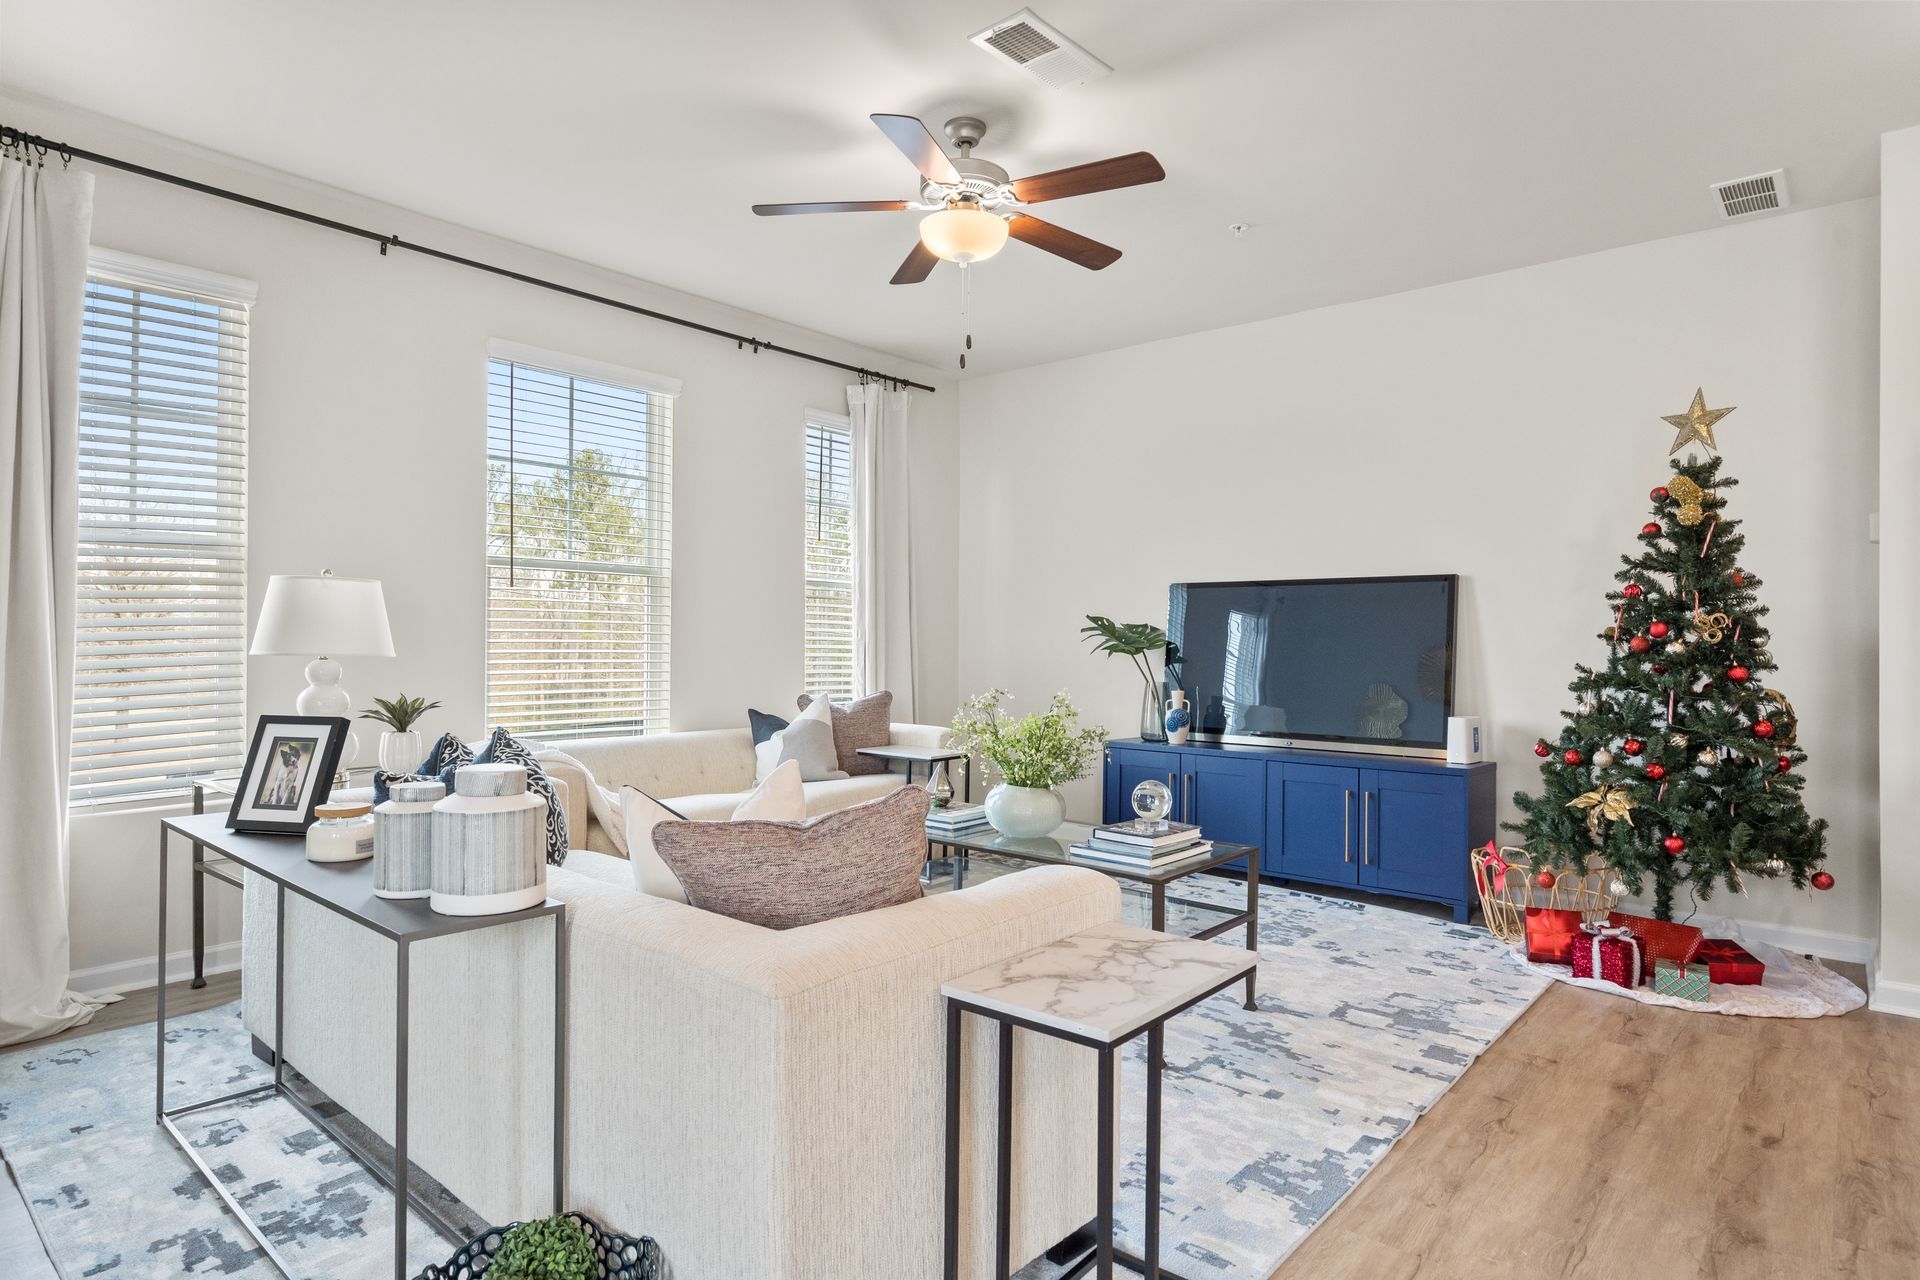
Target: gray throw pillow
(785,874)
(808,742)
(864,722)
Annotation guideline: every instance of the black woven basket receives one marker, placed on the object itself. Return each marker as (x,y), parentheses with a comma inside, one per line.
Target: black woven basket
(620,1257)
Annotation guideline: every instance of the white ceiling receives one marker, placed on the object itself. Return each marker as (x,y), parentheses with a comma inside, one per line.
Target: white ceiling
(1374,147)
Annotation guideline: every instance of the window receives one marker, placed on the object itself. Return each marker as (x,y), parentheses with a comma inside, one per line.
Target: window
(160,637)
(828,665)
(579,559)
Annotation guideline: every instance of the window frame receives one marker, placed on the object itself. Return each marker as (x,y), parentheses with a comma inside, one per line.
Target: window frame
(836,424)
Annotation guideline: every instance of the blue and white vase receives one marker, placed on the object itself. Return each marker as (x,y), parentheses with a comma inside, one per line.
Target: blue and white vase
(1179,719)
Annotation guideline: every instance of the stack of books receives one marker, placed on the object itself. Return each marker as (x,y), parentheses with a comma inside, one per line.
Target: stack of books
(956,819)
(1143,846)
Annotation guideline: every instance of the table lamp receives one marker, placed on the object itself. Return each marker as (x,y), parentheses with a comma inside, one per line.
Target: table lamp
(317,613)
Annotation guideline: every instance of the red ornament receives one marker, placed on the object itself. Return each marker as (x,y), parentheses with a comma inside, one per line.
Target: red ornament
(1649,530)
(1660,493)
(1738,674)
(1784,764)
(1544,880)
(1822,881)
(1633,746)
(1763,729)
(1572,755)
(1657,669)
(1739,578)
(1656,771)
(1632,590)
(1639,644)
(1673,845)
(1658,630)
(1541,749)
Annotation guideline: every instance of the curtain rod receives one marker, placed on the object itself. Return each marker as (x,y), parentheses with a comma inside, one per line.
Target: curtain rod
(16,138)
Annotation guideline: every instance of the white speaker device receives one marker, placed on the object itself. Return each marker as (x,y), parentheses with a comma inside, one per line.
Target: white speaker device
(1463,740)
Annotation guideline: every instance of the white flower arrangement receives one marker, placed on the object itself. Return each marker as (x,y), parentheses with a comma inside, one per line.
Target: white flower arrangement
(1040,749)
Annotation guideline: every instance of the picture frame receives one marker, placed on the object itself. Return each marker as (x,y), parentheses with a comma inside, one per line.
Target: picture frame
(289,772)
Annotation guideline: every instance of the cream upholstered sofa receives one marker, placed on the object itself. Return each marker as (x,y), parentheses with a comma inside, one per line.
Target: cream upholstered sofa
(765,1104)
(701,774)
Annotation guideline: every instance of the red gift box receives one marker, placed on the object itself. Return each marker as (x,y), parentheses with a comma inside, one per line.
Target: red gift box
(1662,939)
(1551,934)
(1730,963)
(1612,952)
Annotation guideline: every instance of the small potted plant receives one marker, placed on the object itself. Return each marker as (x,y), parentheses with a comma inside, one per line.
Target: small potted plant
(400,747)
(1033,755)
(1136,641)
(567,1246)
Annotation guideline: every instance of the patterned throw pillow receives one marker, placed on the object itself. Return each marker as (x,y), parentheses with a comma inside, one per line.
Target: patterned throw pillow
(864,722)
(504,748)
(785,874)
(448,754)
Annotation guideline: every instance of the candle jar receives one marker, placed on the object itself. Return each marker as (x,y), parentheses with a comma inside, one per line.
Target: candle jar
(403,839)
(342,832)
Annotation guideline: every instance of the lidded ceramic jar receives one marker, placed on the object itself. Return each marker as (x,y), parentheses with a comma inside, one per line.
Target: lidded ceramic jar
(489,844)
(403,839)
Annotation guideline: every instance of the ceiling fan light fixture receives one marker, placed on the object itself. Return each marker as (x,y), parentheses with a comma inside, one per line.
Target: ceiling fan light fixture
(963,233)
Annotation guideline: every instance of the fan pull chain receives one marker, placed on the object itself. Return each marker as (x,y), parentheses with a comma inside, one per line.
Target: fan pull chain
(966,313)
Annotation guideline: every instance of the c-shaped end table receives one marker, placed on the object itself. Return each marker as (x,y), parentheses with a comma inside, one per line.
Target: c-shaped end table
(1099,988)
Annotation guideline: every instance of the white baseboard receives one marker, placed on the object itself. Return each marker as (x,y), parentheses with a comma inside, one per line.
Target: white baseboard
(1885,996)
(1807,942)
(134,975)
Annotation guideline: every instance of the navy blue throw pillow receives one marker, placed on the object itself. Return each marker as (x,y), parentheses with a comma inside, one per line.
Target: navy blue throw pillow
(764,726)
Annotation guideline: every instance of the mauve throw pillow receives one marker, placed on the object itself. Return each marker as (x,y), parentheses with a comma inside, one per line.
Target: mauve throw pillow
(785,874)
(864,722)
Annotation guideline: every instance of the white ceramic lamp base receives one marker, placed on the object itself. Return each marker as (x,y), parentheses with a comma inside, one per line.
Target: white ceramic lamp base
(326,696)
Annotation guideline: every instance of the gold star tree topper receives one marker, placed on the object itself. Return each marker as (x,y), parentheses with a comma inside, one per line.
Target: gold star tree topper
(1696,423)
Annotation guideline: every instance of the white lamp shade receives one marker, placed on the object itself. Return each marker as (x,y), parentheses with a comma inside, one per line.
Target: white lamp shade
(316,613)
(963,234)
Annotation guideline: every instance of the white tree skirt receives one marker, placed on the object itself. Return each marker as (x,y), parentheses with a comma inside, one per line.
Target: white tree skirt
(1793,987)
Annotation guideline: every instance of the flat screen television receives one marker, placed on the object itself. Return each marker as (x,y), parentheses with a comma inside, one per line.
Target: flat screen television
(1339,663)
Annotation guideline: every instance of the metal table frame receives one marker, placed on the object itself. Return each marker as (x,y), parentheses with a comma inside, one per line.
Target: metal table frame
(927,756)
(346,890)
(1104,1252)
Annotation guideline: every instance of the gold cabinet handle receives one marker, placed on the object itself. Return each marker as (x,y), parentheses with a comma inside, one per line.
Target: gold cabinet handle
(1365,809)
(1346,826)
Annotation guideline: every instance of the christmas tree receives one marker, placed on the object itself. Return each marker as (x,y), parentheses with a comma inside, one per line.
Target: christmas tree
(1679,763)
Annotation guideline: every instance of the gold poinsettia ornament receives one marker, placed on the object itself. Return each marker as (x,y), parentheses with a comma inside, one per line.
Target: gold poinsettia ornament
(1604,803)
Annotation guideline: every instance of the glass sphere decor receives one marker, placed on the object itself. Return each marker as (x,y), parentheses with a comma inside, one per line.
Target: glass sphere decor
(1152,801)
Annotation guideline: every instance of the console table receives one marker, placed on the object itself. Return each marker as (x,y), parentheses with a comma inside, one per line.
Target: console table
(1400,825)
(1099,988)
(346,889)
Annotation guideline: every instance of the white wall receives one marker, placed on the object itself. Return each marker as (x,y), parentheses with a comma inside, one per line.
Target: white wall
(1896,976)
(367,455)
(1504,428)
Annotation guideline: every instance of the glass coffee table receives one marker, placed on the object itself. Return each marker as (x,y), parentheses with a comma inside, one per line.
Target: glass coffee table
(1051,850)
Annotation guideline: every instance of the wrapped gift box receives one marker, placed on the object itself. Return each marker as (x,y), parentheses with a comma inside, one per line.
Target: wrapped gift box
(1682,981)
(1729,963)
(1662,939)
(1611,952)
(1551,934)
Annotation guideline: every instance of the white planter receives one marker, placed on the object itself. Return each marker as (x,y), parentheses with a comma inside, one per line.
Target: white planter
(401,752)
(1025,812)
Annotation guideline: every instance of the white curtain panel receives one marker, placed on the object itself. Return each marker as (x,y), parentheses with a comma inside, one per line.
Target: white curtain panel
(45,217)
(882,546)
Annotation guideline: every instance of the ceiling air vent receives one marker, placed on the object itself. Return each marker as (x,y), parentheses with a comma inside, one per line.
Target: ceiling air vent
(1041,51)
(1762,193)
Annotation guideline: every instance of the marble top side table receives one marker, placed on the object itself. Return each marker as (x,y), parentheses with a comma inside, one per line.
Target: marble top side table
(1099,988)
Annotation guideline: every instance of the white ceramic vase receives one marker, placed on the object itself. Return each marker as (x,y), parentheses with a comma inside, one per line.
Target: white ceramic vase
(1025,812)
(401,752)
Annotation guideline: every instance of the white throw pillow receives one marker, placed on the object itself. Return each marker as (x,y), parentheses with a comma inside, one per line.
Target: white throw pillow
(779,799)
(807,741)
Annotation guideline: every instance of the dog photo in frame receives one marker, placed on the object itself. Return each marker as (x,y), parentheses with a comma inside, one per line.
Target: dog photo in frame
(289,772)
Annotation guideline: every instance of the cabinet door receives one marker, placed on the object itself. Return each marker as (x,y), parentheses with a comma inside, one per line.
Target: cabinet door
(1226,797)
(1316,812)
(1131,766)
(1414,837)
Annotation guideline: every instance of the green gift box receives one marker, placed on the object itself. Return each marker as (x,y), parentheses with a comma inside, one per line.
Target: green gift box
(1680,981)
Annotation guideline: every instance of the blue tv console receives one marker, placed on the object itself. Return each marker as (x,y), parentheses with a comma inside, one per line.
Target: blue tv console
(1392,824)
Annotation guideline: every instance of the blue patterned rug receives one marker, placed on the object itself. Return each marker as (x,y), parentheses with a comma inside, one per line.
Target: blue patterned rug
(1367,1015)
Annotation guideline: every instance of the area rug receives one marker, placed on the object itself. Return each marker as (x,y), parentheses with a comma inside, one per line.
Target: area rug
(1792,987)
(1366,1016)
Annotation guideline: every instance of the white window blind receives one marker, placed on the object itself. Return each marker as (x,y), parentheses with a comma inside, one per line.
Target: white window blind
(579,554)
(160,637)
(828,666)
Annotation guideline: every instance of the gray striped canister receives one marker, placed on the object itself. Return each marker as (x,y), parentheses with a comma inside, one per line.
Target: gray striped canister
(489,844)
(403,839)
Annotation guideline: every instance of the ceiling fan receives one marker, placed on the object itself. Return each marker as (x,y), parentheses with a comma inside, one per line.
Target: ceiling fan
(972,206)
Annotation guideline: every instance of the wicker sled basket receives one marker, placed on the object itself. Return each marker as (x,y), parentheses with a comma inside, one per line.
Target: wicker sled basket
(1504,909)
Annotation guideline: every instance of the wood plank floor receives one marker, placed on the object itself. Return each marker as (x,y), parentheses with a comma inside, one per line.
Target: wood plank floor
(1597,1138)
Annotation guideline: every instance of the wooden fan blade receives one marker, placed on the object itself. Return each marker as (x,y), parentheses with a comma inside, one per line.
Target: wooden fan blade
(1071,245)
(917,267)
(917,143)
(1100,175)
(832,206)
